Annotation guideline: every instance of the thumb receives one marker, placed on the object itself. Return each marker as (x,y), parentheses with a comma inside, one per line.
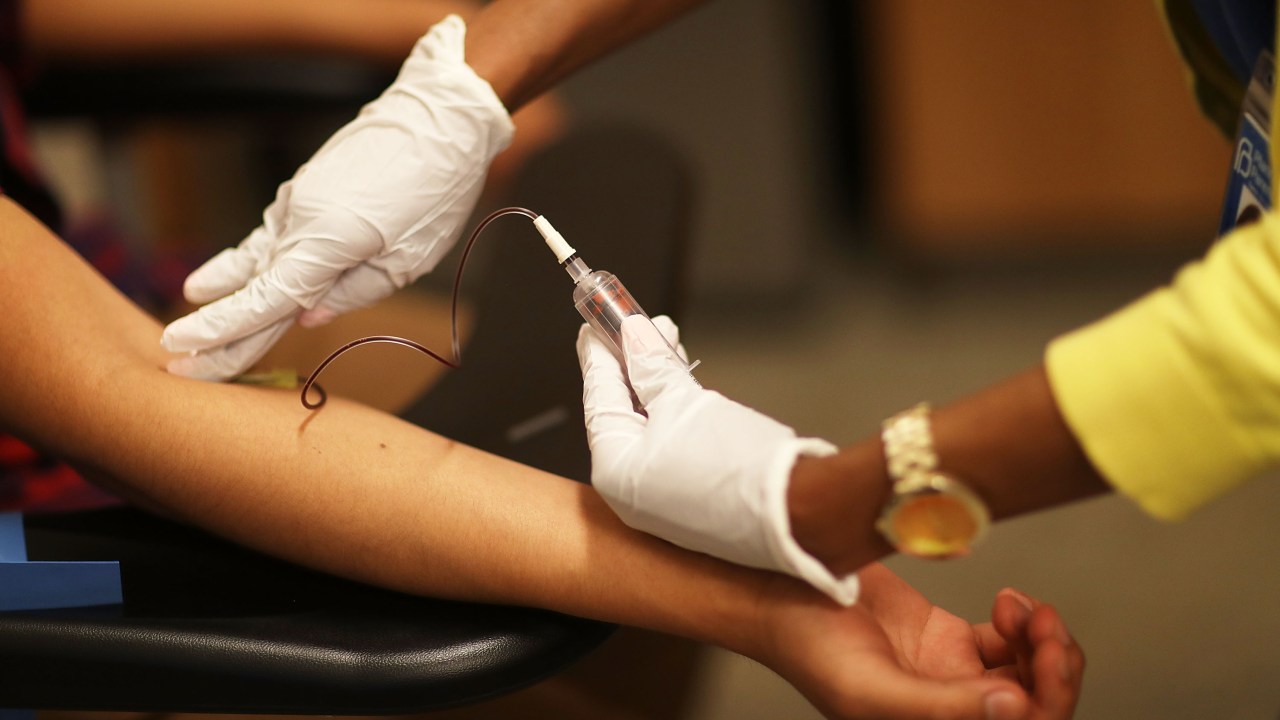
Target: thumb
(359,287)
(653,367)
(905,696)
(229,270)
(228,361)
(606,399)
(614,428)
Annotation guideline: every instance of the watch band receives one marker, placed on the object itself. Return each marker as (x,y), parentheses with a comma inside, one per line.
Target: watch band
(908,444)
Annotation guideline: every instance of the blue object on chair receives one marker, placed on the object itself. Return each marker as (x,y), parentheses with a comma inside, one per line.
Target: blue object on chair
(26,585)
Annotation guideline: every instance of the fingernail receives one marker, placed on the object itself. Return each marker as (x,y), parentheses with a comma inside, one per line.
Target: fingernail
(181,366)
(1023,600)
(1063,637)
(316,317)
(166,340)
(1002,705)
(1063,668)
(1025,607)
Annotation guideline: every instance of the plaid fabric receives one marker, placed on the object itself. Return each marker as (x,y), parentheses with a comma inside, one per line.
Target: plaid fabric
(20,178)
(31,481)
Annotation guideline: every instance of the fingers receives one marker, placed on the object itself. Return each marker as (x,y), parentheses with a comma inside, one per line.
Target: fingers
(1058,664)
(606,398)
(232,359)
(332,243)
(1009,617)
(668,328)
(359,287)
(652,366)
(994,651)
(892,694)
(229,270)
(237,316)
(1050,663)
(600,368)
(670,331)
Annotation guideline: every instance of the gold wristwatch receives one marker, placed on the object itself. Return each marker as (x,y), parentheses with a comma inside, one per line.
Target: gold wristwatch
(930,513)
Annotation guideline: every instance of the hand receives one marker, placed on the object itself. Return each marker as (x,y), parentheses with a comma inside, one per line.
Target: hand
(692,467)
(895,655)
(375,208)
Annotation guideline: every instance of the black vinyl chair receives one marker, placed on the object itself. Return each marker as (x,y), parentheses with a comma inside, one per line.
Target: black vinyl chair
(251,84)
(207,626)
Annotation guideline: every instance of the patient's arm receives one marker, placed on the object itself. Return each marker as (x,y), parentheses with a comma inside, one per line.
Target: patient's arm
(362,494)
(346,489)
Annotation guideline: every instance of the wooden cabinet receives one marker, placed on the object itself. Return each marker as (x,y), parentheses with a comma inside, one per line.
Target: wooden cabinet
(1006,127)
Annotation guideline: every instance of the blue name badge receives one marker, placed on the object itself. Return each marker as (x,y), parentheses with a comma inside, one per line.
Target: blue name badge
(26,585)
(1249,185)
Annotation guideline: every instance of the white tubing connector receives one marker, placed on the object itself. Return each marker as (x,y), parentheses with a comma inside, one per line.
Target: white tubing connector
(555,240)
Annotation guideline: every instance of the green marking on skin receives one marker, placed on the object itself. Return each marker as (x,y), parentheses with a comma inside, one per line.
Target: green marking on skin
(283,378)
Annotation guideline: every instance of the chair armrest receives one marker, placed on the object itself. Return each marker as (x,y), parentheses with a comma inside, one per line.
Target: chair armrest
(211,627)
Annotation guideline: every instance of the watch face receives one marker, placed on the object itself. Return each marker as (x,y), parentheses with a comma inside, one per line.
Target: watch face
(940,520)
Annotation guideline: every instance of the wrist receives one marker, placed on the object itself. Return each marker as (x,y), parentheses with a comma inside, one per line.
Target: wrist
(833,503)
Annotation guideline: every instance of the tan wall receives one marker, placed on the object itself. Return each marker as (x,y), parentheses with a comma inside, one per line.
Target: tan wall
(1008,126)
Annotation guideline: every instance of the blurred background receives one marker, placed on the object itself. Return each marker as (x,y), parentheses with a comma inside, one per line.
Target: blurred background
(895,201)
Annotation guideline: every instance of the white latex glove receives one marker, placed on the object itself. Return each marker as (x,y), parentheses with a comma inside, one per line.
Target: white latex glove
(373,210)
(693,467)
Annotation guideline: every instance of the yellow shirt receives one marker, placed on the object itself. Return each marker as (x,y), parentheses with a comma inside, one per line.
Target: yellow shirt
(1176,398)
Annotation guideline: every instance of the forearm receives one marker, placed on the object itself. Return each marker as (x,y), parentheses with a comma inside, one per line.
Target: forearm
(1009,443)
(362,495)
(522,47)
(377,29)
(525,47)
(345,489)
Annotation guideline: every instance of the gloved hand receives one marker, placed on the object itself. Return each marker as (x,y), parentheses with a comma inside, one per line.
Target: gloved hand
(375,208)
(693,467)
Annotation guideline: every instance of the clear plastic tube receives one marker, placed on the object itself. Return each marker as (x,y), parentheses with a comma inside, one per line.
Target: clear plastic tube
(456,360)
(604,303)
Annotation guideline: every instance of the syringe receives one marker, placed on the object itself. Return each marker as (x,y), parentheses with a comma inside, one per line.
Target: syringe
(599,296)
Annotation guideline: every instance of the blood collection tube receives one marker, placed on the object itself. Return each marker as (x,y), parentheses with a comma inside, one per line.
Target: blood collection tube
(601,299)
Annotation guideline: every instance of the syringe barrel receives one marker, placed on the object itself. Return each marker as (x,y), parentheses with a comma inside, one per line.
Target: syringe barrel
(604,303)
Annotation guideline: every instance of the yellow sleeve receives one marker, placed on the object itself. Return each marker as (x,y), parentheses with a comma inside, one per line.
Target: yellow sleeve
(1176,398)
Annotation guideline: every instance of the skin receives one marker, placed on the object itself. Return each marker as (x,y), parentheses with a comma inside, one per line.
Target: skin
(384,30)
(525,47)
(254,466)
(1008,442)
